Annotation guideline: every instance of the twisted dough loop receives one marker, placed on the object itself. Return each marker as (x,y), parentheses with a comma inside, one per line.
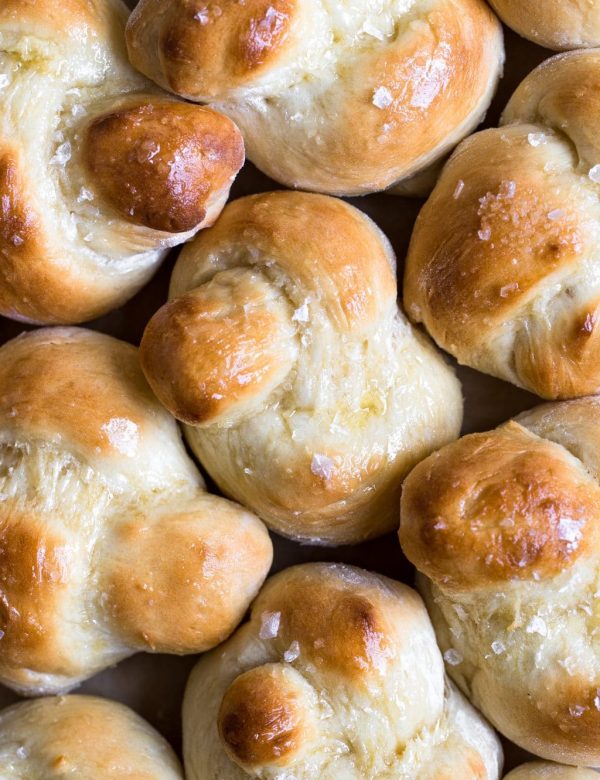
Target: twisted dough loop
(504,530)
(105,175)
(556,24)
(503,267)
(335,97)
(108,543)
(306,393)
(82,736)
(324,640)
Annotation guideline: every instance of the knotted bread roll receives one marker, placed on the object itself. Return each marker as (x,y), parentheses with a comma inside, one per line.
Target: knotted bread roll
(542,770)
(336,675)
(83,737)
(108,542)
(307,395)
(334,96)
(505,529)
(100,172)
(557,24)
(503,267)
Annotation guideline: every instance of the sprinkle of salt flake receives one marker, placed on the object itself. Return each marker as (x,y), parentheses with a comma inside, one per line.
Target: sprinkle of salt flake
(576,710)
(537,626)
(202,16)
(460,185)
(536,139)
(62,154)
(508,289)
(301,314)
(372,30)
(322,466)
(453,657)
(382,98)
(555,214)
(597,700)
(269,625)
(594,174)
(292,653)
(4,81)
(498,647)
(484,234)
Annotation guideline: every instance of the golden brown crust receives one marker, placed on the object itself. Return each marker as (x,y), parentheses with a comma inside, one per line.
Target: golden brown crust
(82,736)
(556,24)
(492,508)
(108,545)
(544,770)
(159,163)
(333,103)
(262,721)
(248,346)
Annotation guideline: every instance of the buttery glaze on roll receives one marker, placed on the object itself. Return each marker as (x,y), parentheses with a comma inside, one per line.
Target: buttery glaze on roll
(100,172)
(332,96)
(556,24)
(503,268)
(305,392)
(505,529)
(109,544)
(83,737)
(336,675)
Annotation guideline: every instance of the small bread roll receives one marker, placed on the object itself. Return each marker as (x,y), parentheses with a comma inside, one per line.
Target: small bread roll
(556,24)
(503,264)
(109,543)
(505,529)
(305,392)
(100,172)
(336,675)
(542,770)
(340,98)
(82,737)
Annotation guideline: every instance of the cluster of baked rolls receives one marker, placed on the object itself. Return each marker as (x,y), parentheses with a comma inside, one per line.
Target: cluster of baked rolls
(320,410)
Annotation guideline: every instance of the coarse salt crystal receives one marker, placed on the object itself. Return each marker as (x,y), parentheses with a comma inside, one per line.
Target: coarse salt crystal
(536,139)
(202,16)
(537,626)
(301,314)
(594,173)
(453,657)
(84,194)
(484,234)
(292,652)
(508,289)
(4,81)
(460,185)
(369,29)
(269,625)
(555,214)
(62,154)
(322,466)
(498,647)
(382,98)
(576,710)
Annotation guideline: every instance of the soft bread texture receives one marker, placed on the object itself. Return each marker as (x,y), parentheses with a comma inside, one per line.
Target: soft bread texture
(333,96)
(306,393)
(505,530)
(83,737)
(336,675)
(556,24)
(100,172)
(542,770)
(503,267)
(108,542)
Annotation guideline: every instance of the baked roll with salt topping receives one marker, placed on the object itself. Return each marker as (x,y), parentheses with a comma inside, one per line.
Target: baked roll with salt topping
(100,172)
(503,264)
(337,674)
(109,544)
(504,528)
(542,770)
(84,737)
(305,392)
(556,24)
(331,96)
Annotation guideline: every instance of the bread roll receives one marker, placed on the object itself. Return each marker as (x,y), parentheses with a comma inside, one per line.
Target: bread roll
(305,392)
(335,96)
(505,529)
(108,542)
(100,172)
(336,675)
(503,267)
(83,737)
(556,24)
(542,770)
